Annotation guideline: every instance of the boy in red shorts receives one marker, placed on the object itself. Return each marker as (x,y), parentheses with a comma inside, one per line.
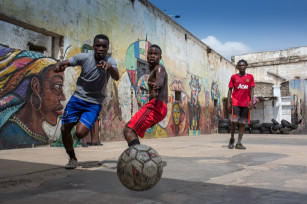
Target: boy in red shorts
(241,90)
(156,109)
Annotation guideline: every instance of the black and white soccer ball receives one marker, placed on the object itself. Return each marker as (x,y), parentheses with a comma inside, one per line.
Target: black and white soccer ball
(139,168)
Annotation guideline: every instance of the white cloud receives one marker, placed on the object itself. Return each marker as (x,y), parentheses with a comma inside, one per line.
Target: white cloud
(228,48)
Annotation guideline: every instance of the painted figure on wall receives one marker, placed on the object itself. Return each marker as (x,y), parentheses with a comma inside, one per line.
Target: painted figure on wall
(176,117)
(215,93)
(297,105)
(194,107)
(215,97)
(125,97)
(30,98)
(179,107)
(207,113)
(142,91)
(111,115)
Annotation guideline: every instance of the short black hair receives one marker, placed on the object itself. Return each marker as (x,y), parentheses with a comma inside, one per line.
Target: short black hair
(244,61)
(101,36)
(157,46)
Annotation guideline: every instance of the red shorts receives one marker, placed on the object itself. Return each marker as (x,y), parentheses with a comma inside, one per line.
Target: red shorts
(153,112)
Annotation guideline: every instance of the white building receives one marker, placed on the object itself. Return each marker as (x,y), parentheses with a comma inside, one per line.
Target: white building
(281,78)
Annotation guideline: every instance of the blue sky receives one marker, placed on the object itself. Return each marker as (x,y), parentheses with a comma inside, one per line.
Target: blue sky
(233,27)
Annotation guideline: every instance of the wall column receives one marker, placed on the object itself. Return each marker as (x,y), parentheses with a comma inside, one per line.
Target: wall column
(277,103)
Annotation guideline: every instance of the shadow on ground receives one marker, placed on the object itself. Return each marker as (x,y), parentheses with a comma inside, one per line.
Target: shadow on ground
(96,184)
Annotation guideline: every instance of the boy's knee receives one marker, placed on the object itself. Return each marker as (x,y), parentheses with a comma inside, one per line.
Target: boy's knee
(80,134)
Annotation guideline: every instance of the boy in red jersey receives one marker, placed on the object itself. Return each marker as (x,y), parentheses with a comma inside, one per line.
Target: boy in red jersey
(241,90)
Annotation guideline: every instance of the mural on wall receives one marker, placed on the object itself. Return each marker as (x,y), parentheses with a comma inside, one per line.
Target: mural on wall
(304,114)
(194,107)
(29,87)
(142,91)
(111,115)
(176,117)
(30,98)
(297,104)
(179,107)
(190,116)
(138,73)
(126,97)
(215,98)
(207,113)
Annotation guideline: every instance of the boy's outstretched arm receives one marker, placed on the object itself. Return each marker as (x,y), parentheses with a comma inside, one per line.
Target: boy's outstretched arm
(61,65)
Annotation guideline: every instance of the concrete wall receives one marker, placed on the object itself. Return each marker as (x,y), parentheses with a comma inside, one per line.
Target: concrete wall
(195,70)
(263,89)
(291,108)
(277,66)
(18,37)
(258,113)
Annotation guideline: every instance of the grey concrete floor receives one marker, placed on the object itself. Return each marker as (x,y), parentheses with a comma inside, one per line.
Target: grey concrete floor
(197,169)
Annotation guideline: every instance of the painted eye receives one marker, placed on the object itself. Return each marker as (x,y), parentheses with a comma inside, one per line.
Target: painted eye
(58,86)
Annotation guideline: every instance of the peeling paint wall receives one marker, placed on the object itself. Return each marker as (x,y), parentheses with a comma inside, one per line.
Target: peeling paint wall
(197,73)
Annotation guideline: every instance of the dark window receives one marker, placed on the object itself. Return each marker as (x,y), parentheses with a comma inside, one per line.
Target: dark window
(36,48)
(215,102)
(177,95)
(142,68)
(4,45)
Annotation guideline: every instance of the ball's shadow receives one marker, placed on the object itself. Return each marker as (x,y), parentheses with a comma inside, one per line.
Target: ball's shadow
(89,164)
(110,164)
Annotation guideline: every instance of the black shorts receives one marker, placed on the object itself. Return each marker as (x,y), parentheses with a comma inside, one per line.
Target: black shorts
(240,115)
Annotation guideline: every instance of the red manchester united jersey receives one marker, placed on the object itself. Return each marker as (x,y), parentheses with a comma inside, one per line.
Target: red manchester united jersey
(241,89)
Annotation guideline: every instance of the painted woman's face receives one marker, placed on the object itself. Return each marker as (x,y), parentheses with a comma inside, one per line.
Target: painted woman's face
(52,95)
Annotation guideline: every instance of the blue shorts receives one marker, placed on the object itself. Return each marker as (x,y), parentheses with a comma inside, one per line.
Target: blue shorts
(79,110)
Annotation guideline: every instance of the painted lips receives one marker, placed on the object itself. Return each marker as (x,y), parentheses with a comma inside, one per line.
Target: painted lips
(59,112)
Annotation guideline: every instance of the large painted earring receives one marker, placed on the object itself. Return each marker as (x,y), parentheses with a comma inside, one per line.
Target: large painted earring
(40,102)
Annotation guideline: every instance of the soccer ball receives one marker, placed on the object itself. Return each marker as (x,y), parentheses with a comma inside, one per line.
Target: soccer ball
(139,168)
